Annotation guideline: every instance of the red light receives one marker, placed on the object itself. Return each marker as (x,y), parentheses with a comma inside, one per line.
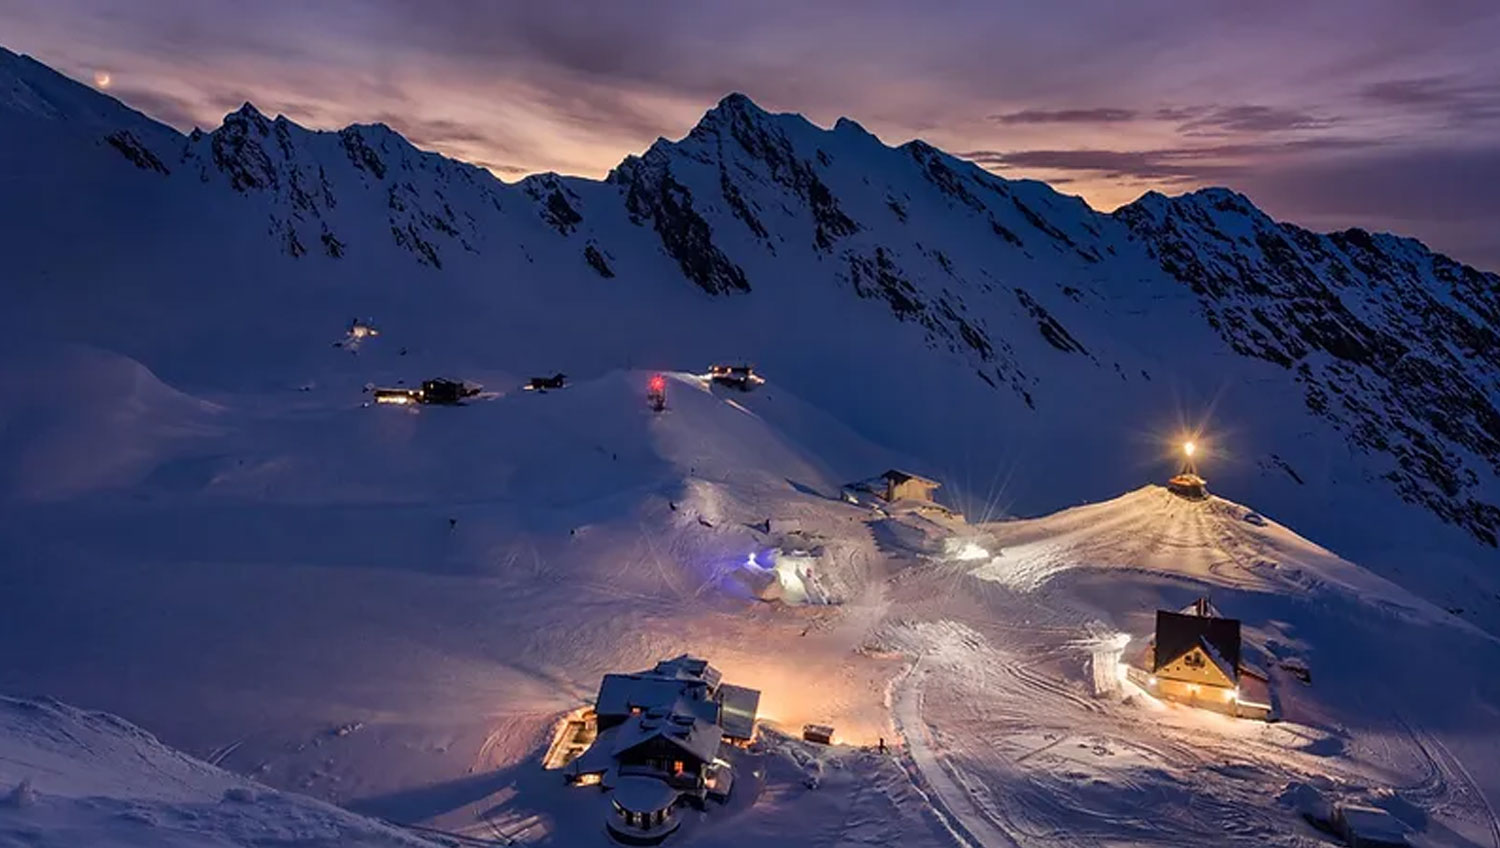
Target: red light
(658,383)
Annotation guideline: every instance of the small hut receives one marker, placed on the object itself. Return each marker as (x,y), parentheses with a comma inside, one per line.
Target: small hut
(434,391)
(542,384)
(905,486)
(742,377)
(1189,486)
(819,733)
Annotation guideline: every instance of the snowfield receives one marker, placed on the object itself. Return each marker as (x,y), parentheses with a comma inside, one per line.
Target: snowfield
(351,623)
(300,585)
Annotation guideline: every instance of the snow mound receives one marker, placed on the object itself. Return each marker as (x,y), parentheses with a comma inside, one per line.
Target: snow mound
(89,778)
(1215,541)
(75,420)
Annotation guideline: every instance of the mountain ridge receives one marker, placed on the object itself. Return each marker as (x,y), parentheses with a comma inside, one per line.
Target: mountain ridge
(798,245)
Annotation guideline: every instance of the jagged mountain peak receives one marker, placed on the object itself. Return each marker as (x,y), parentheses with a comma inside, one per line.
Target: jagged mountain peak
(247,111)
(739,102)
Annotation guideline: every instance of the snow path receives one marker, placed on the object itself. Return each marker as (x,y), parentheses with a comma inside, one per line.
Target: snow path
(951,803)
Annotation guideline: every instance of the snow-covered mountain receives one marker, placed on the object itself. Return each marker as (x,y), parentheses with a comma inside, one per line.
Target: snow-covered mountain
(1027,349)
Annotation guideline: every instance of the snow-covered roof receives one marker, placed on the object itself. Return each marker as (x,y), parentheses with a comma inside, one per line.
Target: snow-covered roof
(896,475)
(687,667)
(1371,825)
(681,727)
(622,694)
(1202,607)
(644,794)
(1229,668)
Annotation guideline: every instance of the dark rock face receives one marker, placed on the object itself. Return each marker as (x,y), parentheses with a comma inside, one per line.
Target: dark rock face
(331,244)
(361,155)
(290,167)
(554,201)
(1054,332)
(1393,344)
(737,121)
(139,155)
(653,195)
(237,150)
(595,258)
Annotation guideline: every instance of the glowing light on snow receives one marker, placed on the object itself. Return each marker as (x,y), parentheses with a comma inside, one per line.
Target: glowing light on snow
(102,79)
(658,383)
(961,550)
(1189,448)
(1232,694)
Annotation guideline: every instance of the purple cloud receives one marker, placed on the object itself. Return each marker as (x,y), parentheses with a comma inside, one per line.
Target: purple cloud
(1101,115)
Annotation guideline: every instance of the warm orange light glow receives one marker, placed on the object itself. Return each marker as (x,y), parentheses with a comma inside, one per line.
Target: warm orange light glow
(102,79)
(1189,448)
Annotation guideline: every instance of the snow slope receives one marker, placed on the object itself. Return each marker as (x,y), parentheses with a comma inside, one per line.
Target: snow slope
(298,608)
(998,708)
(74,778)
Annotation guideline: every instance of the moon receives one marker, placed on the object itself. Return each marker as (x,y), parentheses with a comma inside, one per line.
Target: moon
(102,79)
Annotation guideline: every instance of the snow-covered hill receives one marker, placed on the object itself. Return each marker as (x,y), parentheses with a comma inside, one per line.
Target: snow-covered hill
(69,777)
(997,709)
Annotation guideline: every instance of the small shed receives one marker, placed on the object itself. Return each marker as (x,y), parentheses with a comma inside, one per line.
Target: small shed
(1369,827)
(443,391)
(819,733)
(742,377)
(542,384)
(905,486)
(1188,485)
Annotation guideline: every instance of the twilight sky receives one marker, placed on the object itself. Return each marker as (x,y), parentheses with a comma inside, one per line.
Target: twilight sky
(1377,113)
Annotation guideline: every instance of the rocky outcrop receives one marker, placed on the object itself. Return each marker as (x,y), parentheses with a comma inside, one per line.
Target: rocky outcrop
(1393,344)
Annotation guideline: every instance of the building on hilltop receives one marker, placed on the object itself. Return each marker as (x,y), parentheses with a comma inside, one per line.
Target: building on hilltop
(905,486)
